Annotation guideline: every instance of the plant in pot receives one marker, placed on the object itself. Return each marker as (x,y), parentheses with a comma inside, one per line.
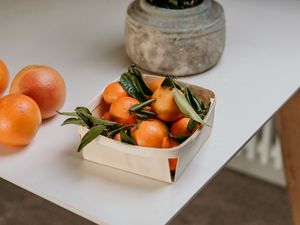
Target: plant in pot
(177,37)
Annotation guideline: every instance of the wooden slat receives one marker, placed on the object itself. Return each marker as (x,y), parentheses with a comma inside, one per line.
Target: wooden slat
(288,123)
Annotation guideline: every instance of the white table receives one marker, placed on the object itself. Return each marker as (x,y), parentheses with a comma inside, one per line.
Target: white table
(83,40)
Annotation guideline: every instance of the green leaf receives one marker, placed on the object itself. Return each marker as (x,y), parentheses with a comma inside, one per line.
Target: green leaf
(170,82)
(147,112)
(142,105)
(84,113)
(126,137)
(90,136)
(175,4)
(197,105)
(138,87)
(97,121)
(132,87)
(83,110)
(115,130)
(180,138)
(74,114)
(142,116)
(167,82)
(74,120)
(191,125)
(185,107)
(191,99)
(188,95)
(203,110)
(134,71)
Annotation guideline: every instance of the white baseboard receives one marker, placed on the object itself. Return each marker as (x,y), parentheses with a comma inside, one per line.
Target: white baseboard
(261,157)
(255,169)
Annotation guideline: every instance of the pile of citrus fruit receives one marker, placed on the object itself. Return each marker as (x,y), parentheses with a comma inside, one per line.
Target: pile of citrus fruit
(158,114)
(36,93)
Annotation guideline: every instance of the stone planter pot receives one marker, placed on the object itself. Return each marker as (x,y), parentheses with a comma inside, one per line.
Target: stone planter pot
(176,42)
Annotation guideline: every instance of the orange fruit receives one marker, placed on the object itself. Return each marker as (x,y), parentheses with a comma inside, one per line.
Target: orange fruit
(119,110)
(20,118)
(106,116)
(170,143)
(117,137)
(154,85)
(112,92)
(173,164)
(150,133)
(101,109)
(165,106)
(44,85)
(180,127)
(4,77)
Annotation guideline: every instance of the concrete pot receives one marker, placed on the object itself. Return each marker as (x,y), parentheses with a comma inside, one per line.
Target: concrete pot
(176,42)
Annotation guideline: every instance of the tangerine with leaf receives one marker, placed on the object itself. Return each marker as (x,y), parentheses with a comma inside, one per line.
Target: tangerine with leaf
(181,127)
(165,106)
(120,110)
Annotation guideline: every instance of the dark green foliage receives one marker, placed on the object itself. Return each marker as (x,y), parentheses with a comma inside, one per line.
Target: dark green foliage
(179,138)
(134,85)
(90,135)
(175,4)
(191,125)
(171,82)
(132,81)
(126,137)
(142,113)
(197,105)
(135,72)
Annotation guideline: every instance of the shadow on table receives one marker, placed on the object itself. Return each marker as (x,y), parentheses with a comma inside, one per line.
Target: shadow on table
(6,150)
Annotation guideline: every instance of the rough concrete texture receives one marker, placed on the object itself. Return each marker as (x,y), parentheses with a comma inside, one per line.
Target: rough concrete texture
(230,199)
(176,42)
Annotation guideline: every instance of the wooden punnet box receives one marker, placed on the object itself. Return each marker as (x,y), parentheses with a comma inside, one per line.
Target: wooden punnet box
(149,162)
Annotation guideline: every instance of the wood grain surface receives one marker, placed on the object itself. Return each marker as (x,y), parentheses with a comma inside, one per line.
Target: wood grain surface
(288,119)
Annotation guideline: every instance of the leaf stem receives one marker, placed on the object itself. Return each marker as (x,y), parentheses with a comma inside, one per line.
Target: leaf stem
(142,105)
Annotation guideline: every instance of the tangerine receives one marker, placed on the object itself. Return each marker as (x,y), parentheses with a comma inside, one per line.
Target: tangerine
(180,127)
(44,85)
(150,133)
(119,110)
(154,85)
(4,77)
(165,106)
(20,119)
(170,143)
(106,116)
(117,137)
(112,92)
(173,163)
